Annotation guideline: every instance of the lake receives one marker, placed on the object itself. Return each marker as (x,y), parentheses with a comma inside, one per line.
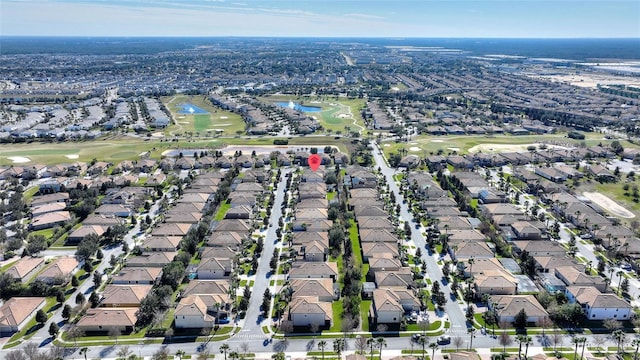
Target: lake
(299,107)
(190,109)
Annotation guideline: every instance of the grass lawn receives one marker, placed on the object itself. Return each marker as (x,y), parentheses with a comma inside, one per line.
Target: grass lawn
(615,192)
(365,305)
(425,144)
(205,124)
(336,114)
(336,308)
(222,211)
(126,148)
(29,193)
(47,233)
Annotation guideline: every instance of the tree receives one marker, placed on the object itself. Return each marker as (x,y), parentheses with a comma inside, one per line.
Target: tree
(457,341)
(338,346)
(41,317)
(180,354)
(74,333)
(520,320)
(612,325)
(84,351)
(321,346)
(15,355)
(123,353)
(434,347)
(636,345)
(423,341)
(278,356)
(505,340)
(54,329)
(361,344)
(161,354)
(87,247)
(66,312)
(381,342)
(114,333)
(523,339)
(620,337)
(97,279)
(371,343)
(224,349)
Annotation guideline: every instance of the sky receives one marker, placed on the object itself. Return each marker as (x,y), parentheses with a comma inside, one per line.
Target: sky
(323,18)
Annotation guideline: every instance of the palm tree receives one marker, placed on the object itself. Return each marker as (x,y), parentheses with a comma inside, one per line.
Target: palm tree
(471,332)
(180,354)
(620,273)
(434,347)
(84,351)
(620,337)
(576,340)
(583,340)
(422,340)
(338,346)
(371,342)
(224,348)
(381,342)
(322,345)
(636,343)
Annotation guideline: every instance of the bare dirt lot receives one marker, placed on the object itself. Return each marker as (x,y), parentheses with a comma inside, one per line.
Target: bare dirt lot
(609,205)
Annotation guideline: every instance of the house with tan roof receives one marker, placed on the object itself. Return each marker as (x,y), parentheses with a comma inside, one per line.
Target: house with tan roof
(214,268)
(172,229)
(83,231)
(384,264)
(192,312)
(312,225)
(401,279)
(470,249)
(152,259)
(389,305)
(374,222)
(123,296)
(238,225)
(102,320)
(528,230)
(47,208)
(539,248)
(16,312)
(599,306)
(508,306)
(313,251)
(479,265)
(138,276)
(314,270)
(49,220)
(548,264)
(495,282)
(161,243)
(309,310)
(230,239)
(379,249)
(239,212)
(59,271)
(313,204)
(209,287)
(378,235)
(25,268)
(573,277)
(323,289)
(310,213)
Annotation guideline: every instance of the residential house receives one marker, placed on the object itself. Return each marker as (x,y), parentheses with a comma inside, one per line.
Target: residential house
(138,276)
(539,248)
(390,305)
(214,268)
(123,296)
(314,270)
(161,243)
(59,271)
(25,268)
(309,310)
(151,259)
(379,249)
(102,320)
(83,231)
(49,220)
(510,305)
(323,289)
(16,312)
(599,306)
(573,277)
(401,279)
(494,282)
(192,312)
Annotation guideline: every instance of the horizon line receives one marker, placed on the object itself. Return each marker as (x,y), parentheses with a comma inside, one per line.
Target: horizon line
(316,37)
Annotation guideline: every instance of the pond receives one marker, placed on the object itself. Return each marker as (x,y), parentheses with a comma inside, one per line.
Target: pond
(190,109)
(299,107)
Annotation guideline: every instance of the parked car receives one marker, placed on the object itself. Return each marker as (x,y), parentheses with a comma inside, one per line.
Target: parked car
(444,339)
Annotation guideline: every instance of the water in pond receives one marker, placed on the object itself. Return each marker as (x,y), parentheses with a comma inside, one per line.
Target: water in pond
(296,106)
(190,109)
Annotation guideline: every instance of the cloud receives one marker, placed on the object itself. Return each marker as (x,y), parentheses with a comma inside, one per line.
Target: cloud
(363,16)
